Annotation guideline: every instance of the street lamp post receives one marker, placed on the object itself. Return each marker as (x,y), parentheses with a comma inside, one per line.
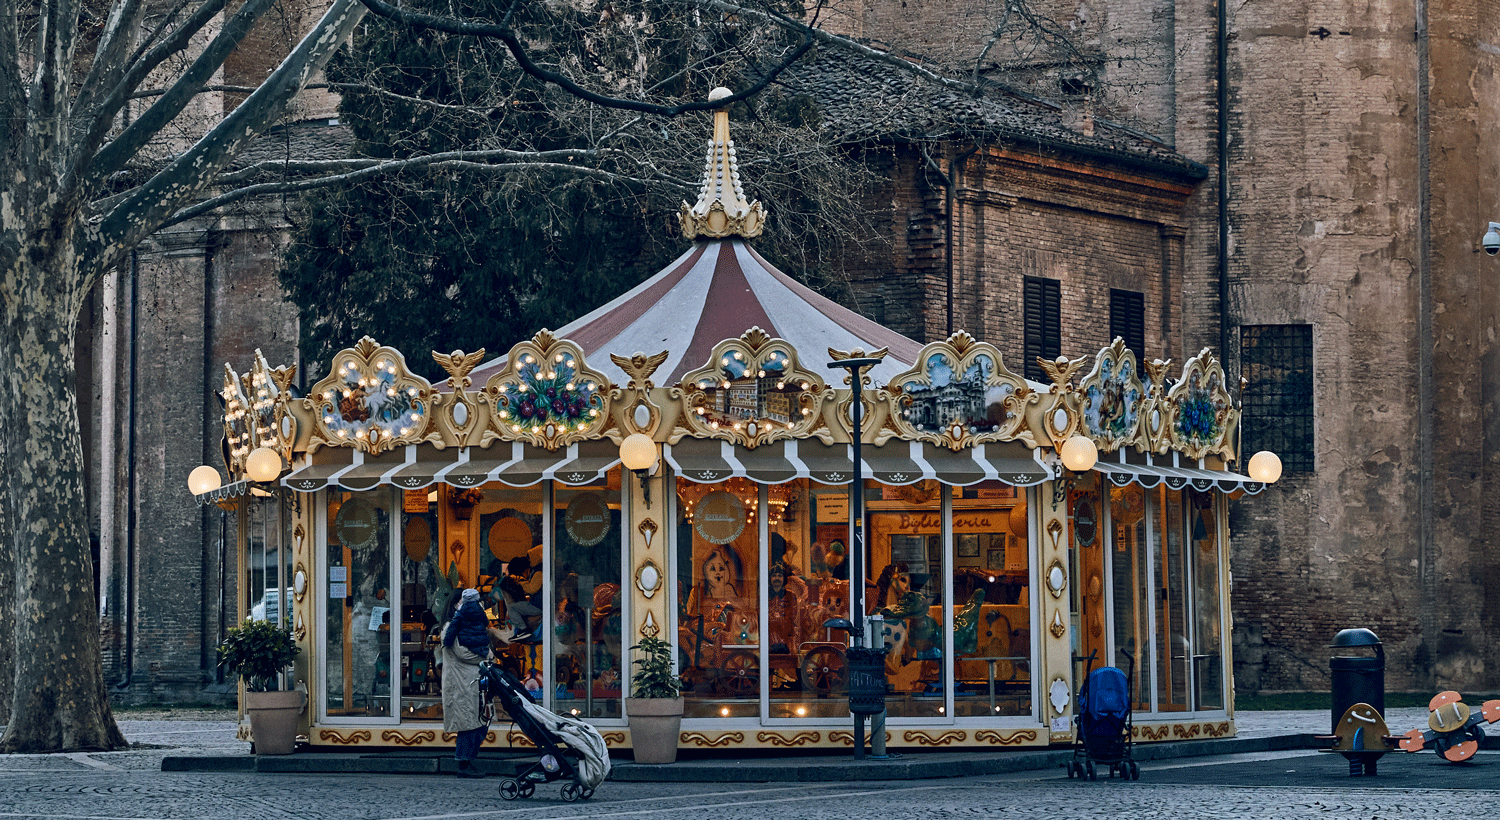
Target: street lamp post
(855,364)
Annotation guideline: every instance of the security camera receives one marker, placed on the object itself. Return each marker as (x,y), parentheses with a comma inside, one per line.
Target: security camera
(1491,239)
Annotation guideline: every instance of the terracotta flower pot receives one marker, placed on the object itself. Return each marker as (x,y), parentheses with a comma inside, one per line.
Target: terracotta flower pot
(655,724)
(274,717)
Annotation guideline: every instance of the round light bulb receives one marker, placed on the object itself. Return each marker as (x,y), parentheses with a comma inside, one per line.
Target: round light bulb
(1079,453)
(203,479)
(1265,467)
(263,464)
(638,452)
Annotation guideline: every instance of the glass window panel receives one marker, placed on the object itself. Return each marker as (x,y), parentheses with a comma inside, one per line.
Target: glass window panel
(904,582)
(589,662)
(1173,651)
(511,538)
(992,602)
(422,600)
(1208,650)
(357,674)
(1130,581)
(806,660)
(718,590)
(1087,556)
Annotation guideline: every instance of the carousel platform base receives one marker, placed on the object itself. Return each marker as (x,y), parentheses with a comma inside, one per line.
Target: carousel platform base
(778,768)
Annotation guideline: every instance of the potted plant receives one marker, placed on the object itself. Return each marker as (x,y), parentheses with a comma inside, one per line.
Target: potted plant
(258,651)
(654,708)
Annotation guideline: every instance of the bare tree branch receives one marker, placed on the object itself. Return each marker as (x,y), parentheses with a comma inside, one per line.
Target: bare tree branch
(142,213)
(111,157)
(503,32)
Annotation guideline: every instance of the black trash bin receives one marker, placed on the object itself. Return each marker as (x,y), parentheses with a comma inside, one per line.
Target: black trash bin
(866,680)
(1358,672)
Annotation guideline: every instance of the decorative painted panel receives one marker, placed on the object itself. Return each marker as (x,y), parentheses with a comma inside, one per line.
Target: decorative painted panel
(546,395)
(370,401)
(751,392)
(1113,396)
(960,394)
(1200,408)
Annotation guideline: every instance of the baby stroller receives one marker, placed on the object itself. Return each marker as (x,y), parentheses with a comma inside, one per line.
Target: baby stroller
(569,748)
(1104,725)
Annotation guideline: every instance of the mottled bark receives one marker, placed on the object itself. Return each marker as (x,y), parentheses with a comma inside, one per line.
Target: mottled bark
(58,700)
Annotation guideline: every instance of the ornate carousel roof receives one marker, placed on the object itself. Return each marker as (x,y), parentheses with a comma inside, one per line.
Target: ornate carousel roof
(721,288)
(723,359)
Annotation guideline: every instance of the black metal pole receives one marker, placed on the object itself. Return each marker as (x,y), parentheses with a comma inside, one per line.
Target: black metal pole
(857,514)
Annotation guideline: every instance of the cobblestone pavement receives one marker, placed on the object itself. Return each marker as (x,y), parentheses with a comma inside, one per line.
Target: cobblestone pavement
(1292,785)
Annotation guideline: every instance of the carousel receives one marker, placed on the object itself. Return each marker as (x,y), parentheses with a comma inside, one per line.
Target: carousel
(681,463)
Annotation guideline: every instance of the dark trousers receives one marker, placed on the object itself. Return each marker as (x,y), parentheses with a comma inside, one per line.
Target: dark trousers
(466,745)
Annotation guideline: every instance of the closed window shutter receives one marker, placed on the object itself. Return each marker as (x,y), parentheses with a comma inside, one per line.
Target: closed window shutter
(1043,321)
(1127,320)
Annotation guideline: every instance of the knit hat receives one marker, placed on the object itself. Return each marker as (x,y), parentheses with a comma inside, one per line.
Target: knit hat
(470,594)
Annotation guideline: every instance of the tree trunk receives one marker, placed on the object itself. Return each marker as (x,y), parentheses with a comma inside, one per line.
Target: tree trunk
(7,600)
(58,702)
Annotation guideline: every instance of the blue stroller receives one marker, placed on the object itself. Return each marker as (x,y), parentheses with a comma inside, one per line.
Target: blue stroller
(1104,726)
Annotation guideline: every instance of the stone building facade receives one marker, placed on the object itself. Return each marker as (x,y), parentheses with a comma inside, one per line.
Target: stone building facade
(1332,252)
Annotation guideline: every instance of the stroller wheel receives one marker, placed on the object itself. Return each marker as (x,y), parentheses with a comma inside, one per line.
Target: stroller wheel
(509,789)
(571,792)
(528,788)
(1093,774)
(1135,770)
(1072,773)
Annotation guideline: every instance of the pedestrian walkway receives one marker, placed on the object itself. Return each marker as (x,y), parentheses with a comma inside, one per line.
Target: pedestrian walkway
(209,745)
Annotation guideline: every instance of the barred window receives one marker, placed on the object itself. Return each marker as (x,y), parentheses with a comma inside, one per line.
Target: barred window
(1127,320)
(1278,400)
(1043,323)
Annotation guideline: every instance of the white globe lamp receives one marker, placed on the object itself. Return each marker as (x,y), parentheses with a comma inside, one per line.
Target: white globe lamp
(203,479)
(1079,453)
(262,465)
(1265,467)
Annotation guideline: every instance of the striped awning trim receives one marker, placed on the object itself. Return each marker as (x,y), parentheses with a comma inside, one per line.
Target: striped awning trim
(897,462)
(1177,477)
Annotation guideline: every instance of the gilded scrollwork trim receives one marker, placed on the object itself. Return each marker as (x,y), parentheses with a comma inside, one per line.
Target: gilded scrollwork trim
(798,739)
(1152,732)
(516,738)
(401,738)
(770,358)
(704,740)
(1112,397)
(337,737)
(947,738)
(962,357)
(1200,412)
(613,738)
(1015,738)
(370,401)
(546,395)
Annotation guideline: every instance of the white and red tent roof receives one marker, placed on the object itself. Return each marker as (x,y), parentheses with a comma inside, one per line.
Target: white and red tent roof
(718,290)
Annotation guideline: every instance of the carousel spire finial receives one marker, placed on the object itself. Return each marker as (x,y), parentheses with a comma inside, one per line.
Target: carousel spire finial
(721,209)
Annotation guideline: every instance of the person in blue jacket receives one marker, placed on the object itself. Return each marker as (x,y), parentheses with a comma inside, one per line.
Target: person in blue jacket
(466,643)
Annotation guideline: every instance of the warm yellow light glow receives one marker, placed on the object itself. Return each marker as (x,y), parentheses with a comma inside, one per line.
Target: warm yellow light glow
(1079,453)
(1265,466)
(638,452)
(263,464)
(204,479)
